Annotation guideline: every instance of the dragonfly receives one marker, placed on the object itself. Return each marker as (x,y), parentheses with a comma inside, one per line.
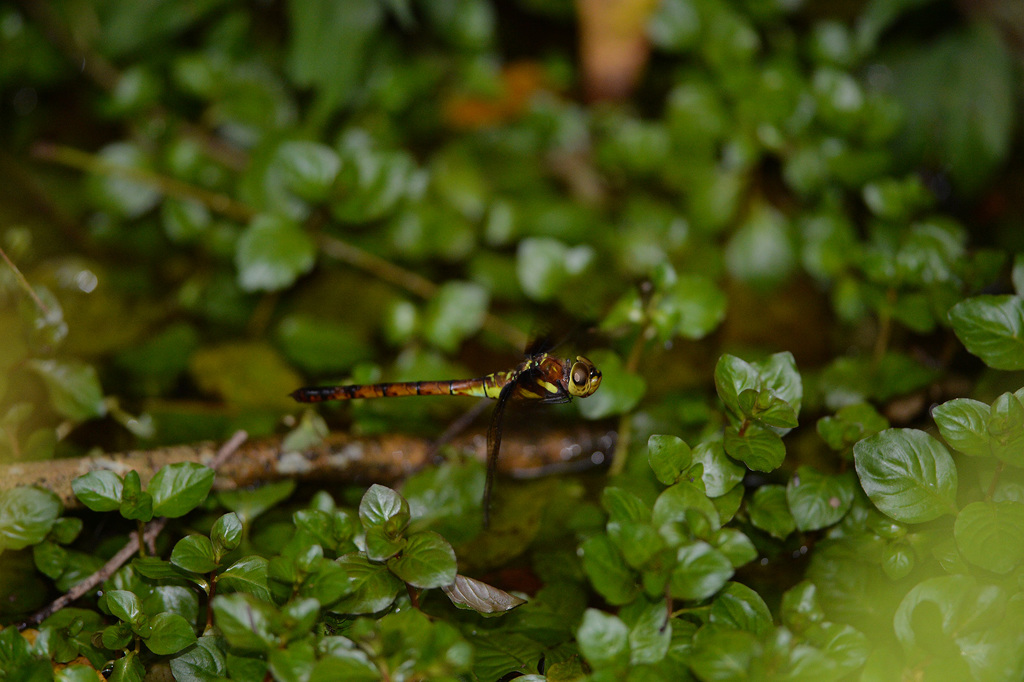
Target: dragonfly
(541,378)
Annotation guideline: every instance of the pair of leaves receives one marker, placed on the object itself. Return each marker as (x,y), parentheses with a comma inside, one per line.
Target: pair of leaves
(978,430)
(163,633)
(174,490)
(765,397)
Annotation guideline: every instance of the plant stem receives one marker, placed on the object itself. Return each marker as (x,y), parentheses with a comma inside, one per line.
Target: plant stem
(626,421)
(75,158)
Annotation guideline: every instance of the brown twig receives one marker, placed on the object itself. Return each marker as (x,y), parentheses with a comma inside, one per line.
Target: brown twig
(128,551)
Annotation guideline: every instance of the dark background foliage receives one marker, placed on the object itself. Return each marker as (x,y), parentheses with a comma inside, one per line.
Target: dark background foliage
(779,229)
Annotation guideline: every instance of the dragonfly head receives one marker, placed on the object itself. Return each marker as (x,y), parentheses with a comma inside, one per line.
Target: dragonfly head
(584,378)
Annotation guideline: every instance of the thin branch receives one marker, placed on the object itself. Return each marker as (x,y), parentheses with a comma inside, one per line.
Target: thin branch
(338,459)
(90,163)
(25,285)
(128,551)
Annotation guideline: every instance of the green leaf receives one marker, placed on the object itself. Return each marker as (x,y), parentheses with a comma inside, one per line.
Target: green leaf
(334,530)
(456,312)
(818,500)
(770,512)
(650,633)
(128,669)
(308,168)
(194,553)
(607,571)
(249,575)
(801,606)
(620,390)
(668,456)
(124,605)
(249,504)
(320,345)
(992,327)
(382,507)
(26,516)
(73,672)
(370,587)
(760,252)
(116,636)
(843,644)
(66,529)
(603,640)
(74,388)
(272,253)
(767,409)
(907,474)
(1006,429)
(372,183)
(354,665)
(468,593)
(637,541)
(447,497)
(136,504)
(720,474)
(330,46)
(171,633)
(722,653)
(898,560)
(991,535)
(245,622)
(292,663)
(50,558)
(679,502)
(700,571)
(758,447)
(204,662)
(935,611)
(157,569)
(692,308)
(851,424)
(545,265)
(739,607)
(113,191)
(179,488)
(427,561)
(226,534)
(623,505)
(969,132)
(184,221)
(777,375)
(735,545)
(99,490)
(674,26)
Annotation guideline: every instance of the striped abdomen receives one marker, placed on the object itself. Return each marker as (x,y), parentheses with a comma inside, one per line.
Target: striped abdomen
(485,387)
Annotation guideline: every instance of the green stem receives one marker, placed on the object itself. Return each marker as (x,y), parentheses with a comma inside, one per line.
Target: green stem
(626,421)
(140,528)
(995,479)
(884,329)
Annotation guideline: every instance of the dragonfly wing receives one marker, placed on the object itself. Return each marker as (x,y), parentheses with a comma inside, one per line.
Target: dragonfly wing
(494,445)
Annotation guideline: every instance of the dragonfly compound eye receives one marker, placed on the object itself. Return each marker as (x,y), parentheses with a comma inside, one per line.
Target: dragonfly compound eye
(584,378)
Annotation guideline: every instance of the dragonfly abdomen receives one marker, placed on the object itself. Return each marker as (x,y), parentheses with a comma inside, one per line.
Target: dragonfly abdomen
(487,387)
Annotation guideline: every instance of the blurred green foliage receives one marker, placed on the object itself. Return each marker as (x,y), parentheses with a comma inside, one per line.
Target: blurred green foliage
(802,214)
